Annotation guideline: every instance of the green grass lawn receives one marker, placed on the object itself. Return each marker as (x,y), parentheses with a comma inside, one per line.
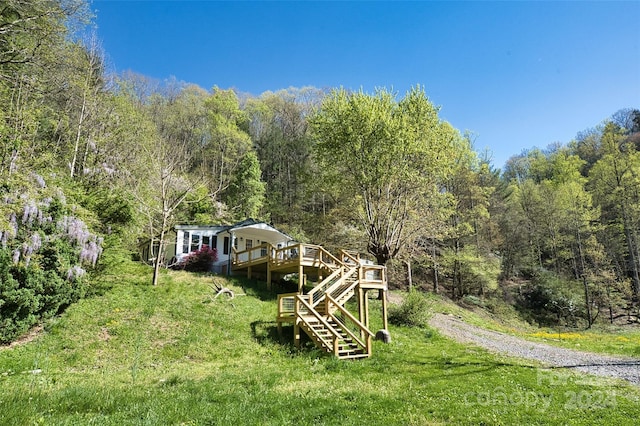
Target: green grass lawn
(171,355)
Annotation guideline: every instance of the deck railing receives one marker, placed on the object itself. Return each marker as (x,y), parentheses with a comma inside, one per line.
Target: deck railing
(373,276)
(293,255)
(346,285)
(257,254)
(349,257)
(287,305)
(322,312)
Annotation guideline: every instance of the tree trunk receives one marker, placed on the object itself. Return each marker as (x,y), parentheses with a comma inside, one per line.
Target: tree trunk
(160,255)
(435,266)
(76,146)
(587,302)
(635,275)
(409,277)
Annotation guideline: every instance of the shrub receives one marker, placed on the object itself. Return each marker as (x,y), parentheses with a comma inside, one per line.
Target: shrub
(413,312)
(552,300)
(43,252)
(200,260)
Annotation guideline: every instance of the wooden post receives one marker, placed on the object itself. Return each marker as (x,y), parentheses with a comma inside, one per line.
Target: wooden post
(385,323)
(249,272)
(296,333)
(366,314)
(269,274)
(300,277)
(360,305)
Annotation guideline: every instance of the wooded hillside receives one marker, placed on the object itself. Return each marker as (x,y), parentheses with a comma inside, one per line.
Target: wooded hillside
(91,163)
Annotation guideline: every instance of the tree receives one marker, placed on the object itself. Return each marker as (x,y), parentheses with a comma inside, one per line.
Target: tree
(32,49)
(225,143)
(28,30)
(278,125)
(168,156)
(466,250)
(615,180)
(245,195)
(390,155)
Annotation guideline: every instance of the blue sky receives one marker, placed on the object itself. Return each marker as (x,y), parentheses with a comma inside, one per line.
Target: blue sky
(516,74)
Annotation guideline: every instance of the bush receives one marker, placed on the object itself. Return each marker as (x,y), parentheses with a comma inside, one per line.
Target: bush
(413,312)
(200,260)
(43,252)
(552,300)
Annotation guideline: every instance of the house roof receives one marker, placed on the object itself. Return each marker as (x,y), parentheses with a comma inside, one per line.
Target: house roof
(261,227)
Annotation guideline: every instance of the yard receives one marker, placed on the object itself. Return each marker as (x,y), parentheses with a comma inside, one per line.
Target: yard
(171,354)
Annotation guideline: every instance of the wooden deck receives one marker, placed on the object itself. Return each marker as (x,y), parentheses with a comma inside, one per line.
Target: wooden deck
(300,258)
(321,312)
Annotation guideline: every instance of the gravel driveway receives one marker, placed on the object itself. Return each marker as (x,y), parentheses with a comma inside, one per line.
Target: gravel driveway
(600,365)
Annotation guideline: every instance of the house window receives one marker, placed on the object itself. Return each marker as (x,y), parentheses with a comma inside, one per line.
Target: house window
(185,243)
(195,242)
(235,243)
(206,241)
(225,248)
(214,242)
(249,244)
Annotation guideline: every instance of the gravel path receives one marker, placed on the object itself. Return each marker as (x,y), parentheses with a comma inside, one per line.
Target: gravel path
(600,365)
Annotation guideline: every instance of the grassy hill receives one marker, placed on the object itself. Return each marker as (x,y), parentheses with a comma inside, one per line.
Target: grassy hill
(171,355)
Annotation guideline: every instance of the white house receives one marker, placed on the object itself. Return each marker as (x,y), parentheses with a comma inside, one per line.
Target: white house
(242,236)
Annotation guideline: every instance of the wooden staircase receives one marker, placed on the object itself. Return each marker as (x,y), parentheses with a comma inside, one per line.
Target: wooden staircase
(322,314)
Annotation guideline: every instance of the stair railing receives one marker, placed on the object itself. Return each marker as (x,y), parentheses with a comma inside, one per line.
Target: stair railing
(348,317)
(328,260)
(334,344)
(337,291)
(348,257)
(316,293)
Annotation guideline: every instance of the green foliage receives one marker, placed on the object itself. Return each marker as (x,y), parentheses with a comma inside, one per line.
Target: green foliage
(390,155)
(279,128)
(615,179)
(413,311)
(550,300)
(476,273)
(43,252)
(245,195)
(198,208)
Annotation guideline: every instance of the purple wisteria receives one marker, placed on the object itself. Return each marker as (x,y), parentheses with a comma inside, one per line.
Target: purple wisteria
(39,180)
(75,273)
(91,252)
(32,245)
(24,234)
(31,213)
(13,225)
(74,229)
(10,233)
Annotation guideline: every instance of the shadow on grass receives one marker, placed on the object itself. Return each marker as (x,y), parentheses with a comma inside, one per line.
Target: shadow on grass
(255,288)
(266,334)
(259,289)
(452,368)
